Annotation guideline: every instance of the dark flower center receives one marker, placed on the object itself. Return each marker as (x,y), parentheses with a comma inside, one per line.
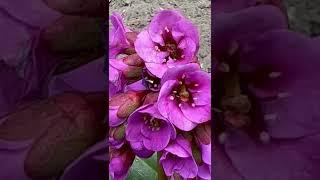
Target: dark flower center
(150,81)
(170,46)
(182,94)
(153,123)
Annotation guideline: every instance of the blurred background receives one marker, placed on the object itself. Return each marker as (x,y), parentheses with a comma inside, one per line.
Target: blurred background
(304,16)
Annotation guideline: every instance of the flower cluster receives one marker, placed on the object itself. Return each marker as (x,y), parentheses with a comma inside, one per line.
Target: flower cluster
(159,98)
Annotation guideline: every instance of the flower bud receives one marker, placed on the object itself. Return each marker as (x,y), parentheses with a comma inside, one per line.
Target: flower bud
(133,60)
(119,132)
(129,51)
(131,37)
(130,73)
(117,135)
(75,129)
(40,115)
(122,105)
(196,153)
(120,162)
(151,98)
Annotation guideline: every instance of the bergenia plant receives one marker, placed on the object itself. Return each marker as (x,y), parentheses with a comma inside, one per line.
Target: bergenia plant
(159,98)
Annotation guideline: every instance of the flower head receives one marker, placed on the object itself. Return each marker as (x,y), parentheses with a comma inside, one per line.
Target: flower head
(184,97)
(146,125)
(177,158)
(170,40)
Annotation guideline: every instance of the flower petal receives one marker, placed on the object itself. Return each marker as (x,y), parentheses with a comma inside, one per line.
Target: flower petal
(14,164)
(197,114)
(113,118)
(204,171)
(180,147)
(145,48)
(156,140)
(136,86)
(189,30)
(293,159)
(87,78)
(157,69)
(222,166)
(177,72)
(206,153)
(297,61)
(135,123)
(165,18)
(140,150)
(34,13)
(15,40)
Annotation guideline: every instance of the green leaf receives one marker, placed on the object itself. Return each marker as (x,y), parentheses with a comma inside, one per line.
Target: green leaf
(143,169)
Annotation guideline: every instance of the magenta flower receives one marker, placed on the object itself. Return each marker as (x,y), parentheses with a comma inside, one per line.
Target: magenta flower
(121,39)
(177,158)
(146,125)
(169,40)
(120,162)
(184,98)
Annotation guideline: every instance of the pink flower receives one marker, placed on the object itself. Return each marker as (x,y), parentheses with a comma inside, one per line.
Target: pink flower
(184,97)
(170,40)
